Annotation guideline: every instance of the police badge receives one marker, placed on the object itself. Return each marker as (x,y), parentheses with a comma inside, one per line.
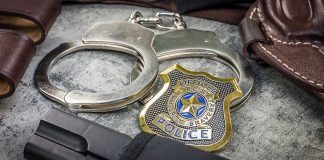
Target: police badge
(192,107)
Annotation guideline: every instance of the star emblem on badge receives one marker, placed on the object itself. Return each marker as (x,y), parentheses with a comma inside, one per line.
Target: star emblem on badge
(191,105)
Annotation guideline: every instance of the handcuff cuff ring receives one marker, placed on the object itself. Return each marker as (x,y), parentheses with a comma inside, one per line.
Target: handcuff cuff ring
(130,38)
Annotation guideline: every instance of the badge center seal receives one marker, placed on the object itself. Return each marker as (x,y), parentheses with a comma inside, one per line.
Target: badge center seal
(192,102)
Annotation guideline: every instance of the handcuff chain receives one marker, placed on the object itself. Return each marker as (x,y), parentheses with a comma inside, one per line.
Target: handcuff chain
(157,21)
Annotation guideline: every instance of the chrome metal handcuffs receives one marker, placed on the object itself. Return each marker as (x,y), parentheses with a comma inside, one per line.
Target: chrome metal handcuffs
(149,48)
(125,37)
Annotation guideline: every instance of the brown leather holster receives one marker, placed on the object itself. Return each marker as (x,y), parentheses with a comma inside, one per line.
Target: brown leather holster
(23,24)
(288,35)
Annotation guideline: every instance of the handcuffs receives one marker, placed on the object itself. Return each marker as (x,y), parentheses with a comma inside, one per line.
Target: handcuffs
(149,48)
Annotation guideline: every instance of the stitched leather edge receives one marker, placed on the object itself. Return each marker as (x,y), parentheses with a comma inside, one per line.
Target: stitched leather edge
(307,80)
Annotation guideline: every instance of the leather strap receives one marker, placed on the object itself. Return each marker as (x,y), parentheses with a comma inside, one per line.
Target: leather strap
(228,11)
(232,14)
(146,146)
(32,17)
(22,25)
(294,39)
(16,52)
(251,33)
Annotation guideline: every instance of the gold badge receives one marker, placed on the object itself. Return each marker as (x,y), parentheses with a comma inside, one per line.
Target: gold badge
(192,108)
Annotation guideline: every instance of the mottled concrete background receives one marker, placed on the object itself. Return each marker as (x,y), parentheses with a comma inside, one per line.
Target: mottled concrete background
(279,121)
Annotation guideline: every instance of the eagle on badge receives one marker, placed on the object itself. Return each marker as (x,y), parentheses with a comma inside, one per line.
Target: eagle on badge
(192,108)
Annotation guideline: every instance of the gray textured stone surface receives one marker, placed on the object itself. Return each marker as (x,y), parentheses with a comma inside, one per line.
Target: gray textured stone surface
(279,121)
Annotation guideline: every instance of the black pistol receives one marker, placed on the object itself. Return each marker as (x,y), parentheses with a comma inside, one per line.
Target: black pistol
(63,136)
